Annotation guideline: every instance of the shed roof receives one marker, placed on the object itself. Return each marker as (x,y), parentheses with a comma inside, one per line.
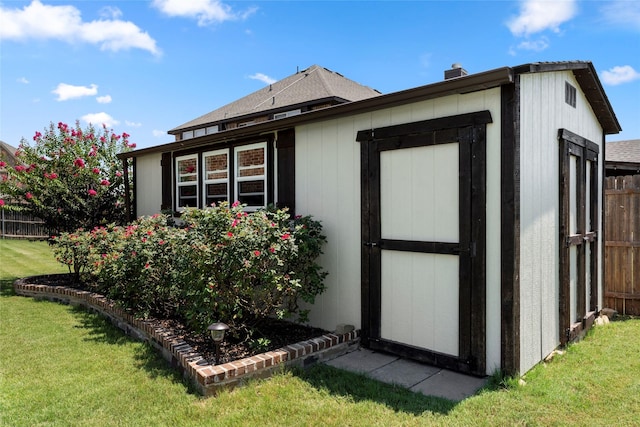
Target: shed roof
(312,84)
(583,70)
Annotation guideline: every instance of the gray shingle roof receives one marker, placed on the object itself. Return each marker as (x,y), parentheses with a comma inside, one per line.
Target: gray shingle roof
(314,83)
(623,151)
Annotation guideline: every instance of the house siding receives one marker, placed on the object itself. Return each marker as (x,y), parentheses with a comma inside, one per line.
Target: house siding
(543,111)
(148,189)
(328,187)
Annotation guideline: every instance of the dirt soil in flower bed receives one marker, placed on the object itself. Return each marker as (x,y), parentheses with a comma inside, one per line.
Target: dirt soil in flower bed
(279,333)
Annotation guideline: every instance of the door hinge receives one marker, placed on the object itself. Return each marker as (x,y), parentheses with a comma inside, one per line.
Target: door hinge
(472,249)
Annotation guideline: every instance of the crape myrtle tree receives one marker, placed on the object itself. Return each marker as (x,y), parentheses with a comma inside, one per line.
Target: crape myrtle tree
(69,177)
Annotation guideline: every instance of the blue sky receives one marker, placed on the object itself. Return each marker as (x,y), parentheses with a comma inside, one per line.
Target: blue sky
(144,67)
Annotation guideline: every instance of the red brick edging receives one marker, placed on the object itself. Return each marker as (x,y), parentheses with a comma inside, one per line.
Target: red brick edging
(208,379)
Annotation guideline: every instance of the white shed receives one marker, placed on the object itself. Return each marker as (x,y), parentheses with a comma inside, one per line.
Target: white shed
(464,217)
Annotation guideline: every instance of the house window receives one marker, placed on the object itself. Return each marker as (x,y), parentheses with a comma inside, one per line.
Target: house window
(187,181)
(216,176)
(251,175)
(187,134)
(230,172)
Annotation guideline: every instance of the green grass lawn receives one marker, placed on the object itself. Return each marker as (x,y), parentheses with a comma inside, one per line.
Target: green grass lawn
(60,365)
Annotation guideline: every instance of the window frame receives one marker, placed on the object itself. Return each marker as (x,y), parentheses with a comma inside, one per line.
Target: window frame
(206,181)
(179,184)
(238,180)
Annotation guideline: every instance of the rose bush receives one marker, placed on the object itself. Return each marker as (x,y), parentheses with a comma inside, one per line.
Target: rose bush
(69,177)
(222,264)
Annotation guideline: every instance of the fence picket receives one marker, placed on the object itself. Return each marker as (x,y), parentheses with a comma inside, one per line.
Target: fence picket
(622,244)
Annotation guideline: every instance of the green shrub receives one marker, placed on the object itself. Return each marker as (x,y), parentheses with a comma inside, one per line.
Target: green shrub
(222,264)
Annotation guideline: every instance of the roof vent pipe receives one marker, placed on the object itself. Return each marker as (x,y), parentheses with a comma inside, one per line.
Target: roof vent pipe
(455,71)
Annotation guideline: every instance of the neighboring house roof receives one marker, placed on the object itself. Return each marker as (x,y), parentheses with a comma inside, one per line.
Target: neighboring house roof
(7,153)
(623,151)
(584,72)
(623,156)
(313,84)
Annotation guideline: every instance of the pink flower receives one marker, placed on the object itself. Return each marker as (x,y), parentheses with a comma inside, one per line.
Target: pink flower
(161,242)
(146,265)
(234,223)
(29,196)
(132,145)
(235,204)
(103,139)
(229,234)
(92,192)
(96,171)
(2,164)
(125,135)
(53,175)
(256,253)
(118,174)
(104,182)
(37,136)
(272,250)
(19,168)
(1,202)
(78,162)
(285,236)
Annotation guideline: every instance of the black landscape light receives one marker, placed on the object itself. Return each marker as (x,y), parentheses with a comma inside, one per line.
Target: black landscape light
(217,334)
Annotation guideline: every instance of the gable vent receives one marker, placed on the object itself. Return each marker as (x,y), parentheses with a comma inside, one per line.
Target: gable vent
(570,94)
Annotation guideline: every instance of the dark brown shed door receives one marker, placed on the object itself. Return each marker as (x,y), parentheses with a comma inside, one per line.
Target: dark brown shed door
(423,221)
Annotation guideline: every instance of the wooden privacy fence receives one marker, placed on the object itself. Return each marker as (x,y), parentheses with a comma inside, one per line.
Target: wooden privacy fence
(17,225)
(622,244)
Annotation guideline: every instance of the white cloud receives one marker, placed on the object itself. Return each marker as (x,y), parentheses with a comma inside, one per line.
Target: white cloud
(535,45)
(540,15)
(23,80)
(620,74)
(132,124)
(98,119)
(263,78)
(204,11)
(104,99)
(110,12)
(66,91)
(159,133)
(622,12)
(39,21)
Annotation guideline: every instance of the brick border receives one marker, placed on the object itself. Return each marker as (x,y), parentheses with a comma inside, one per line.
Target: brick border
(208,379)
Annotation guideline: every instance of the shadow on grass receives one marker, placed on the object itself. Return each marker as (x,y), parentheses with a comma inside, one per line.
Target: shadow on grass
(146,357)
(361,388)
(6,288)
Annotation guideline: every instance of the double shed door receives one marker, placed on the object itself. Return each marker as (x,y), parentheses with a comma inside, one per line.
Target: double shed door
(423,230)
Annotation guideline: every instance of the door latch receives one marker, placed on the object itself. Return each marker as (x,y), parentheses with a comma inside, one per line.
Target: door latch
(370,244)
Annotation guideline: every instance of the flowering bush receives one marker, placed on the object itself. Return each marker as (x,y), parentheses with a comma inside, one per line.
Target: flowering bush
(224,264)
(70,177)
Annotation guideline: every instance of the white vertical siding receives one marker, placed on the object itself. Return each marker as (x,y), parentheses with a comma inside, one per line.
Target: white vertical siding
(148,191)
(328,187)
(543,111)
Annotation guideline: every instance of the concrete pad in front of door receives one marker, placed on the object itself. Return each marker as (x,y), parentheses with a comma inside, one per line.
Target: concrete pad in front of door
(362,360)
(417,377)
(450,385)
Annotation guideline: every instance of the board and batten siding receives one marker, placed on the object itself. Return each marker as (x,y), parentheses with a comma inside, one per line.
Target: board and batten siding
(328,187)
(148,186)
(543,111)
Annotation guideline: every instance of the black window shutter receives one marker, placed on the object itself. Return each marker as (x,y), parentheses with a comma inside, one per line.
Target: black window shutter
(286,170)
(167,184)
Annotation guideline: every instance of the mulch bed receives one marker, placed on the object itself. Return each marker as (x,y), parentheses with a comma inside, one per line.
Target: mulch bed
(279,333)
